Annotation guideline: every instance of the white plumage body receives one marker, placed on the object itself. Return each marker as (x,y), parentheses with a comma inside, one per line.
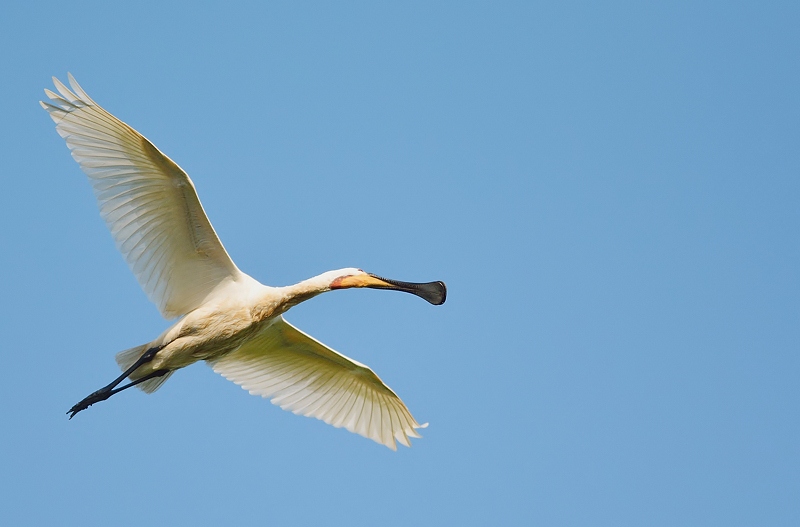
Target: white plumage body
(228,319)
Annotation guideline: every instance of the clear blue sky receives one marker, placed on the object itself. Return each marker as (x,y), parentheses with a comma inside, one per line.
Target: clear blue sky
(610,190)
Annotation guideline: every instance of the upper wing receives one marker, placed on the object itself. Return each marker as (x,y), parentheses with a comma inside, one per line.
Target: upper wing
(148,202)
(301,374)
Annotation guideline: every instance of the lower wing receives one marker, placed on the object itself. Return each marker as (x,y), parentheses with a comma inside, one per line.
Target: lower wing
(303,375)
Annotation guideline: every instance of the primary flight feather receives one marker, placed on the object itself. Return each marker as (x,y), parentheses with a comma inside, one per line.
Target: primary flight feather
(228,319)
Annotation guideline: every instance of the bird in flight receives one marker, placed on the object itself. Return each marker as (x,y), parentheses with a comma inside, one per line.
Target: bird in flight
(228,319)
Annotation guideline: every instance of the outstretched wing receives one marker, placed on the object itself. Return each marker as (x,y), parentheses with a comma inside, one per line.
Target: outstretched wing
(300,374)
(148,202)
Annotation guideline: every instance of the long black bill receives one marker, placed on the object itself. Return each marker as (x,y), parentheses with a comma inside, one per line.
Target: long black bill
(433,292)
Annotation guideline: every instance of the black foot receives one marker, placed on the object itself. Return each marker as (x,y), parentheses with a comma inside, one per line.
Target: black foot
(100,395)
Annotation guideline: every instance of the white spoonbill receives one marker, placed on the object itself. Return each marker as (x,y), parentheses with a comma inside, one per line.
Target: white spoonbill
(228,319)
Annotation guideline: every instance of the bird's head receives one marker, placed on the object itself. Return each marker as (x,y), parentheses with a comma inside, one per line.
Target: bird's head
(433,292)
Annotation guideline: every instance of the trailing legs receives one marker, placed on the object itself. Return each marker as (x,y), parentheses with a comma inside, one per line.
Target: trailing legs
(107,391)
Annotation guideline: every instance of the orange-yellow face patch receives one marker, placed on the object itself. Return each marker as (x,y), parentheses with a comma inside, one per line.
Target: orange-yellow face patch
(358,280)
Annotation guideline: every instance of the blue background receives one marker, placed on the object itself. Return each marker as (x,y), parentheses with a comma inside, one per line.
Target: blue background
(610,191)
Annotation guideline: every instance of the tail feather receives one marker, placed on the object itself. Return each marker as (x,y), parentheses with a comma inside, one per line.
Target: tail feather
(151,385)
(125,360)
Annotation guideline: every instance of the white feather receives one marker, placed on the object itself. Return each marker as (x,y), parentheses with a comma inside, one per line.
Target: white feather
(228,318)
(148,202)
(302,375)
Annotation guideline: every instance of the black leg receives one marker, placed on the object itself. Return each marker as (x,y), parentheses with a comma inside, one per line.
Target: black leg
(157,373)
(107,391)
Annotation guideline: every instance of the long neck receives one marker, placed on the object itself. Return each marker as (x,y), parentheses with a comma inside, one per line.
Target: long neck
(277,300)
(302,291)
